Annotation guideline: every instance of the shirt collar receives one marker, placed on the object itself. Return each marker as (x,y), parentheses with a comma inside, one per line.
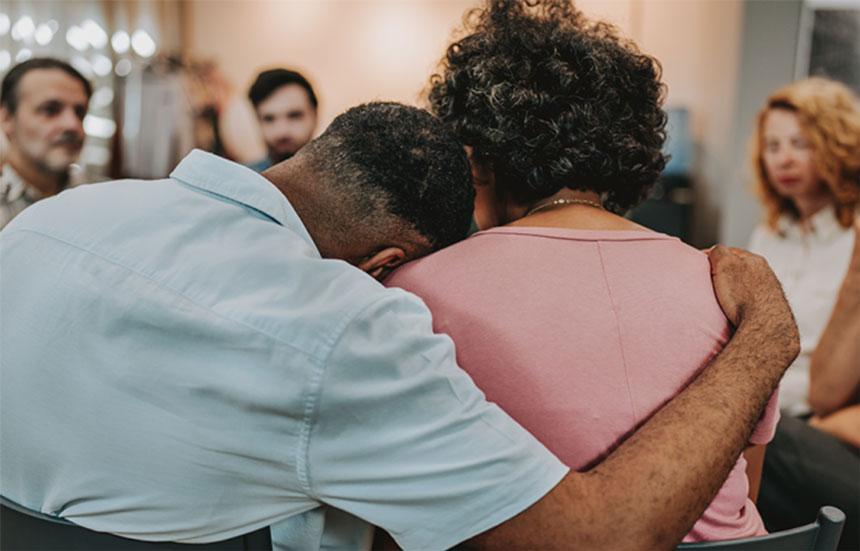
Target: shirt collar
(13,186)
(241,184)
(824,226)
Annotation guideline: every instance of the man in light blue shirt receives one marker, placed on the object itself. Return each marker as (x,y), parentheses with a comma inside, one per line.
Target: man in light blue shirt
(194,358)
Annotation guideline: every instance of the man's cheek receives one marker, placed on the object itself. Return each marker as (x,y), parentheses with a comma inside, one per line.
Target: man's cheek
(33,140)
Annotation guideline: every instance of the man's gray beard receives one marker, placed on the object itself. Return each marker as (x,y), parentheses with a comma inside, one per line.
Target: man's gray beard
(41,164)
(62,175)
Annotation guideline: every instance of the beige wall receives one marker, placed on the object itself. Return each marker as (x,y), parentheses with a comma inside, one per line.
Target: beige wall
(360,50)
(699,44)
(351,51)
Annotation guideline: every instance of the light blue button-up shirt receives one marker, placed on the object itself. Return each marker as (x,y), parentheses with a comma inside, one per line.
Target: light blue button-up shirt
(177,362)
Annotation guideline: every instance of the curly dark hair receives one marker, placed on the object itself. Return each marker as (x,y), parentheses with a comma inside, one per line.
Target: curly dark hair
(550,100)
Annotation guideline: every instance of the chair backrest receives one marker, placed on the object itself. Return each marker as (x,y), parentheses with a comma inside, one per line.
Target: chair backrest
(821,535)
(23,529)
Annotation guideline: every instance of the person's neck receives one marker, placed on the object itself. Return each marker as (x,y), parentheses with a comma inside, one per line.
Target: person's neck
(489,210)
(809,206)
(291,184)
(46,183)
(317,211)
(571,209)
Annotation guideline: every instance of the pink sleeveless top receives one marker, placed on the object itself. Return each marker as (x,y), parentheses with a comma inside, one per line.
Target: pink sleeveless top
(582,335)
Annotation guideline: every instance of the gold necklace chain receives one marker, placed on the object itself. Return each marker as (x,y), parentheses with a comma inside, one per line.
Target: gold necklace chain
(558,202)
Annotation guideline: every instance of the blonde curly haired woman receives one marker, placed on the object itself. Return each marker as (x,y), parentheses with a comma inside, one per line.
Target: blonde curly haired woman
(806,160)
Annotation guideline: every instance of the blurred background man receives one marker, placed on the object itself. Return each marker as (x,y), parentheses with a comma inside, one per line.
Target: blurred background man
(286,108)
(43,103)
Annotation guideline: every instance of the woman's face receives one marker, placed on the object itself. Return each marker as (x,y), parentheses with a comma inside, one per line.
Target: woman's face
(788,157)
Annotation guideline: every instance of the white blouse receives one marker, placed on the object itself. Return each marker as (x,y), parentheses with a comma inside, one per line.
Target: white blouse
(811,265)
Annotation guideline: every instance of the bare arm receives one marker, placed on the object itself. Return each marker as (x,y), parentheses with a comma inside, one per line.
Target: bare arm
(834,376)
(652,489)
(755,461)
(844,424)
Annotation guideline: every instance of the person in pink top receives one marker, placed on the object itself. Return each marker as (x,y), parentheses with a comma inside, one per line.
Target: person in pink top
(577,322)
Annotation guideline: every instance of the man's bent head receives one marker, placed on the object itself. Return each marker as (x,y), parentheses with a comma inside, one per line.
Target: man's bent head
(384,184)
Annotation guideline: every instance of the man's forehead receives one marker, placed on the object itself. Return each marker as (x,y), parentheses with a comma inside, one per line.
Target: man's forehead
(286,98)
(40,85)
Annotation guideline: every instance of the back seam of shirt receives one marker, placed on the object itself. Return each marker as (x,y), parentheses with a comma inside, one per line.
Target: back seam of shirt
(618,330)
(170,289)
(309,416)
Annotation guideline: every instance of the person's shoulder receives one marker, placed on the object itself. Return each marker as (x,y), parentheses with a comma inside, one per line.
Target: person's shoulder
(678,270)
(680,265)
(87,204)
(678,247)
(321,298)
(653,251)
(432,271)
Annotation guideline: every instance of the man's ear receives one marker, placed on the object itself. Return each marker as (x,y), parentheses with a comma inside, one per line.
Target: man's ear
(381,263)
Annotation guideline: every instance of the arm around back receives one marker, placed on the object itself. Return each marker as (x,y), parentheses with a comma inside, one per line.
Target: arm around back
(651,490)
(399,436)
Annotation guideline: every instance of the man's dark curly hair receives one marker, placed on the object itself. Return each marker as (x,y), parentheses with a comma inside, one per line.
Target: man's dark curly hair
(551,100)
(387,160)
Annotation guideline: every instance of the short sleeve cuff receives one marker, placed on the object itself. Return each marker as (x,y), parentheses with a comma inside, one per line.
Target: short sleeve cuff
(497,507)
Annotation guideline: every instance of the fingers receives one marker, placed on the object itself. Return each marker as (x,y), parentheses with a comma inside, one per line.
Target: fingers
(718,252)
(722,251)
(742,253)
(721,255)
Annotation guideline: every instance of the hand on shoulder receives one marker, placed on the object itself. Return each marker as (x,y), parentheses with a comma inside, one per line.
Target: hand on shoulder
(749,293)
